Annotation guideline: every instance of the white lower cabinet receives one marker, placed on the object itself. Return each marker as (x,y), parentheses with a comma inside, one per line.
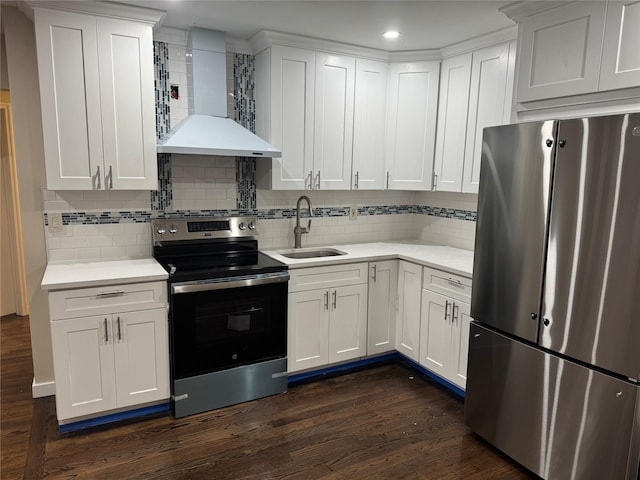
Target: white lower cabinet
(109,361)
(444,325)
(383,301)
(327,324)
(408,319)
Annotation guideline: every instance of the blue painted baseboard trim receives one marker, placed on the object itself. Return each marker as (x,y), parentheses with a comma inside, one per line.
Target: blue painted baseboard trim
(114,417)
(300,377)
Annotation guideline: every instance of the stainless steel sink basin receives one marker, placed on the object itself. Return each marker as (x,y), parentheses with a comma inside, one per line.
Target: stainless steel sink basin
(320,252)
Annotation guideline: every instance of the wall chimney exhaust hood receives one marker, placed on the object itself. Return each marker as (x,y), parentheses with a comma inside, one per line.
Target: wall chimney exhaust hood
(207,130)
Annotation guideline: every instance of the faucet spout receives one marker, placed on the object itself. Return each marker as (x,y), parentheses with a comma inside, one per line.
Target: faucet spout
(298,230)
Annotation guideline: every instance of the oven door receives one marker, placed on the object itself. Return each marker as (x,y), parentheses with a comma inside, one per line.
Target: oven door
(224,323)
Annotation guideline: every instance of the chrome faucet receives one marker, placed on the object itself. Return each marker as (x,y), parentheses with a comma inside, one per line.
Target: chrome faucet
(298,230)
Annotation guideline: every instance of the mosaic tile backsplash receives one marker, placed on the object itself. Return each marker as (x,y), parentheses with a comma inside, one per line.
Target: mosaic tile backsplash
(108,225)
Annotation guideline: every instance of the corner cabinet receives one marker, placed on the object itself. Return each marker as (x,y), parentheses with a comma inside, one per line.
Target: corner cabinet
(383,301)
(110,348)
(444,325)
(475,92)
(327,315)
(97,100)
(411,124)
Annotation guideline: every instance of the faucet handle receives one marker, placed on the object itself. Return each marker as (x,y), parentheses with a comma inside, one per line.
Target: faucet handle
(308,226)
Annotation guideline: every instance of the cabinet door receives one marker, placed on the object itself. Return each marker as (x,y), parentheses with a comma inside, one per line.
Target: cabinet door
(141,349)
(333,125)
(348,323)
(83,365)
(408,320)
(435,332)
(411,132)
(383,301)
(292,116)
(70,99)
(125,52)
(461,323)
(489,104)
(620,58)
(453,106)
(369,125)
(308,330)
(560,51)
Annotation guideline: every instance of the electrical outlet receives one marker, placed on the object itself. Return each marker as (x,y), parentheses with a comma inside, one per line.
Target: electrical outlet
(353,212)
(55,222)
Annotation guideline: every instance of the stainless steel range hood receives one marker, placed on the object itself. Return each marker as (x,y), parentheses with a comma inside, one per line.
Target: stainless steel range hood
(207,130)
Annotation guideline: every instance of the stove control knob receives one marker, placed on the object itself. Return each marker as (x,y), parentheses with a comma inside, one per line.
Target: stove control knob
(172,229)
(161,230)
(242,226)
(252,226)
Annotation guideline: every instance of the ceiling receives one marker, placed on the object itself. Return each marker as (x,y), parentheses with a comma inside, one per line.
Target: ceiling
(423,24)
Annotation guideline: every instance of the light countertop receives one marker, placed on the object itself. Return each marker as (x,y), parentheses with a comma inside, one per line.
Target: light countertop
(59,276)
(451,259)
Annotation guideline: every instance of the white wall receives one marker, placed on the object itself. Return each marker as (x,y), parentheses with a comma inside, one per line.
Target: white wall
(25,102)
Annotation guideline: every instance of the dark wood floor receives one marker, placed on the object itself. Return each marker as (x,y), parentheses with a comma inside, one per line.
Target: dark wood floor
(386,422)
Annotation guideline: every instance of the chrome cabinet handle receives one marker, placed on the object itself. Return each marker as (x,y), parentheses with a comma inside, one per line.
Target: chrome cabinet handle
(456,308)
(110,177)
(357,179)
(435,181)
(326,301)
(335,299)
(374,276)
(99,187)
(318,183)
(117,293)
(310,179)
(387,180)
(455,283)
(446,309)
(119,332)
(106,331)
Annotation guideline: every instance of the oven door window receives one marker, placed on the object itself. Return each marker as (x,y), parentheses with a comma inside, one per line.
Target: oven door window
(219,329)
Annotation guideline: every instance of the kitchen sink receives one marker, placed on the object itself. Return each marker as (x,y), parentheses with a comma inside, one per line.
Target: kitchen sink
(316,253)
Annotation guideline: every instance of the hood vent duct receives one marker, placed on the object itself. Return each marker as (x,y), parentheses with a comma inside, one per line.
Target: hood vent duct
(207,130)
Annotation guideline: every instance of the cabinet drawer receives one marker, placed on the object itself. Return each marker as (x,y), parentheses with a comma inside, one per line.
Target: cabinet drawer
(326,277)
(83,302)
(449,284)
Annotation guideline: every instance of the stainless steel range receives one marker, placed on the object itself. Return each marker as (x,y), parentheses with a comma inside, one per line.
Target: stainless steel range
(228,312)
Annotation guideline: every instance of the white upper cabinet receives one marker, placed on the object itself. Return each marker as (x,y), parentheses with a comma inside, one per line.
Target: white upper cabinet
(475,92)
(579,48)
(369,125)
(490,96)
(333,126)
(411,124)
(621,55)
(97,101)
(455,80)
(287,122)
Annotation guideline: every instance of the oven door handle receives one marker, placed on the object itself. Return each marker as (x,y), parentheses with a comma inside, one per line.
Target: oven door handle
(226,283)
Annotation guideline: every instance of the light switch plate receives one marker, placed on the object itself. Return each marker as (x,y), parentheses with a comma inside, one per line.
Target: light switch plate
(353,212)
(55,222)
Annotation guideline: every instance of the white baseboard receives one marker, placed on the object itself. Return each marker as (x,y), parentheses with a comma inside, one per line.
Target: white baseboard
(45,389)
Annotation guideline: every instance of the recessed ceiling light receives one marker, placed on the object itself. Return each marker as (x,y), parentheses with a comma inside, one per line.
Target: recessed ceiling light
(391,34)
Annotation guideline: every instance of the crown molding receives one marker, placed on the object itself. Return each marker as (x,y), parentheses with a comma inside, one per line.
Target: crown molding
(518,11)
(238,45)
(105,9)
(499,36)
(266,38)
(415,55)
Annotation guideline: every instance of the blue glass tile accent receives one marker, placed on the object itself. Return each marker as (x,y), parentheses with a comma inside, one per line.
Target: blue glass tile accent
(161,63)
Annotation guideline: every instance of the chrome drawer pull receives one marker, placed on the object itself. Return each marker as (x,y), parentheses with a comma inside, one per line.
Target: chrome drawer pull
(455,283)
(118,293)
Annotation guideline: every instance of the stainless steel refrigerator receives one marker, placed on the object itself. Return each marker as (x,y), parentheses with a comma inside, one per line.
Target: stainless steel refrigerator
(554,349)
